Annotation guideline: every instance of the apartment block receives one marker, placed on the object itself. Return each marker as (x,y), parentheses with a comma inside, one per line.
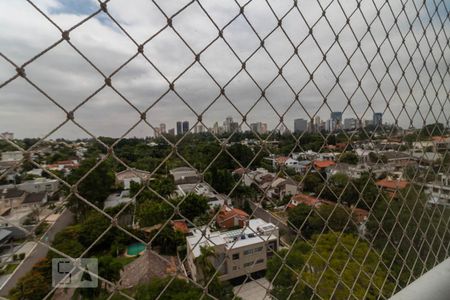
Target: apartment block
(236,252)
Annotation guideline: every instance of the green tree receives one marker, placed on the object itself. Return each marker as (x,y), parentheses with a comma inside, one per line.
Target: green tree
(349,158)
(193,206)
(298,219)
(95,188)
(330,255)
(311,181)
(33,286)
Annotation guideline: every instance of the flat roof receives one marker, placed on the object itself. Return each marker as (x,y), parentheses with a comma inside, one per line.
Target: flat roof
(256,231)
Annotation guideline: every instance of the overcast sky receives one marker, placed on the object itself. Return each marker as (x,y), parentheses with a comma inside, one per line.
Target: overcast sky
(69,79)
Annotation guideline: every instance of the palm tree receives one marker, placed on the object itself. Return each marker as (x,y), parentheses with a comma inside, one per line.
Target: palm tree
(204,262)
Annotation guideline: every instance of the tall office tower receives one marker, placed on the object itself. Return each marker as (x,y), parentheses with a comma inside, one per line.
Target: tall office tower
(300,125)
(162,128)
(157,132)
(227,124)
(179,127)
(336,120)
(317,123)
(8,135)
(349,123)
(185,126)
(377,119)
(264,128)
(215,128)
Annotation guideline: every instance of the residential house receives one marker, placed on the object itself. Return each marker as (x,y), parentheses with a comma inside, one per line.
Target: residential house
(392,186)
(236,252)
(12,156)
(183,175)
(281,187)
(35,200)
(125,177)
(323,165)
(229,218)
(439,191)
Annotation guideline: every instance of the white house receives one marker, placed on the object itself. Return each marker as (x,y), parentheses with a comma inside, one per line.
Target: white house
(236,252)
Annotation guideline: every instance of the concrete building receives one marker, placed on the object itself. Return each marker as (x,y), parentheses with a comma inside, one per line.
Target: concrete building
(259,127)
(179,127)
(439,191)
(39,185)
(12,156)
(184,175)
(350,123)
(172,131)
(125,177)
(185,126)
(162,128)
(336,120)
(377,119)
(7,135)
(300,125)
(237,252)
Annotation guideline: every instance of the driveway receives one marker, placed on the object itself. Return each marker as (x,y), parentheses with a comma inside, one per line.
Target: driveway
(253,290)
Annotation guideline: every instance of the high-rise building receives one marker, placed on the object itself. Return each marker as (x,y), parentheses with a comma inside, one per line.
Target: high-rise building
(377,119)
(300,125)
(336,120)
(179,127)
(259,127)
(7,135)
(162,128)
(215,128)
(199,128)
(349,123)
(171,131)
(185,126)
(157,131)
(317,123)
(264,128)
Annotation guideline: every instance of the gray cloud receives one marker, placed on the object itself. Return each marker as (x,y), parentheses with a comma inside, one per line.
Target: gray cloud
(69,79)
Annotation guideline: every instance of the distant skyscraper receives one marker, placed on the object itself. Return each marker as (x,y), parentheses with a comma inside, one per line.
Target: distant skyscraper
(336,120)
(8,135)
(179,127)
(162,128)
(185,126)
(215,128)
(264,128)
(349,124)
(172,131)
(259,127)
(157,132)
(317,123)
(300,125)
(377,119)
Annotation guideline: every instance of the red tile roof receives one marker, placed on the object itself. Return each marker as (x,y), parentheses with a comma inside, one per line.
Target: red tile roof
(320,164)
(360,214)
(392,184)
(281,160)
(180,225)
(305,199)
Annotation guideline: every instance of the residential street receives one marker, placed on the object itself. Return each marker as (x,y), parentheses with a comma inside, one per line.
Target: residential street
(38,253)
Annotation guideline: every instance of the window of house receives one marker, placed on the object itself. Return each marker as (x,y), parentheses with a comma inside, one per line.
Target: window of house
(259,249)
(235,256)
(260,261)
(248,252)
(246,265)
(235,268)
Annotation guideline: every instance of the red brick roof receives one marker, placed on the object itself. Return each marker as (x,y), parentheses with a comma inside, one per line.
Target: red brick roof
(320,164)
(392,184)
(180,225)
(305,199)
(281,160)
(227,213)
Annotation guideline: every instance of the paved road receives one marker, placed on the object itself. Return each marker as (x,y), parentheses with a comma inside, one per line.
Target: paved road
(38,253)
